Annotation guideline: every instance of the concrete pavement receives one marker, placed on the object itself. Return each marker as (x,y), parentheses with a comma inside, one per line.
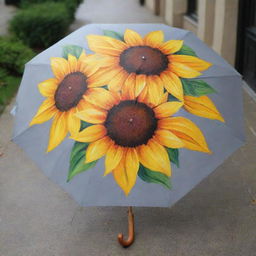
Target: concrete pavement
(113,11)
(6,12)
(38,219)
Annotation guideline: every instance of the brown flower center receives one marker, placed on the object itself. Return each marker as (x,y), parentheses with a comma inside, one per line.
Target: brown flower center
(131,123)
(143,60)
(70,91)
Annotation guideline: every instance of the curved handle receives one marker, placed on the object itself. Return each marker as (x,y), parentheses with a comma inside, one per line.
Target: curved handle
(127,242)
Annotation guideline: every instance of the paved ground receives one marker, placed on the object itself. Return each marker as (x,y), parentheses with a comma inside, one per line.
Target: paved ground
(113,11)
(217,218)
(6,12)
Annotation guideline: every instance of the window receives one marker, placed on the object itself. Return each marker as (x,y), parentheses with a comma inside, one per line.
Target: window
(192,9)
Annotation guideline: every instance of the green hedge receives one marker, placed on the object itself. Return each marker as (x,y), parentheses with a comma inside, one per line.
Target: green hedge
(71,5)
(8,87)
(41,25)
(12,2)
(13,56)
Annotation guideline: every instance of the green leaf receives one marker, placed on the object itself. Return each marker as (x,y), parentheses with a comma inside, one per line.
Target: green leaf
(174,156)
(77,160)
(196,88)
(154,177)
(186,50)
(172,98)
(84,125)
(74,50)
(113,34)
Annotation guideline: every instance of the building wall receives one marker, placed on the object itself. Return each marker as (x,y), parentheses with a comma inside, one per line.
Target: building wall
(150,4)
(216,25)
(189,24)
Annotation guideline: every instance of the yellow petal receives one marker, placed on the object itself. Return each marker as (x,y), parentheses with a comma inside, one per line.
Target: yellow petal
(89,64)
(105,45)
(132,38)
(97,149)
(132,161)
(155,90)
(102,77)
(140,84)
(91,133)
(155,157)
(101,60)
(171,46)
(128,90)
(48,87)
(168,139)
(73,65)
(190,61)
(113,157)
(45,112)
(143,97)
(202,106)
(164,97)
(167,109)
(118,81)
(88,70)
(60,67)
(187,131)
(94,62)
(82,56)
(173,84)
(108,61)
(92,114)
(73,122)
(154,38)
(182,70)
(58,131)
(125,174)
(82,104)
(101,98)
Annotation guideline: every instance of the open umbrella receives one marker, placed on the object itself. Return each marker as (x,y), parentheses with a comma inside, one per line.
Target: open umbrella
(129,115)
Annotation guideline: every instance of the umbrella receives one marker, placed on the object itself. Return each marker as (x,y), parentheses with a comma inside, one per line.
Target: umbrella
(129,114)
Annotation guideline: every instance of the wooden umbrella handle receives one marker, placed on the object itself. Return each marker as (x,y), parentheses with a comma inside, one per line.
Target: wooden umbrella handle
(127,242)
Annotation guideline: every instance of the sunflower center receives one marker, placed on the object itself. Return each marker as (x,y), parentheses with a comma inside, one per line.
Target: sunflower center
(70,91)
(131,123)
(143,60)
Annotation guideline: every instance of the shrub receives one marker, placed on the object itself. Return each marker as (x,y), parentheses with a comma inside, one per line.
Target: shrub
(71,5)
(13,55)
(41,25)
(8,87)
(12,2)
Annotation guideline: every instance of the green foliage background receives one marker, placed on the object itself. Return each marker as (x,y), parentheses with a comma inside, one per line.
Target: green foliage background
(13,56)
(41,25)
(37,24)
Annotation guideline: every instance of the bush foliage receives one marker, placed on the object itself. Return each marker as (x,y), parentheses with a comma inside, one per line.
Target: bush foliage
(13,56)
(41,25)
(71,5)
(12,2)
(38,24)
(8,87)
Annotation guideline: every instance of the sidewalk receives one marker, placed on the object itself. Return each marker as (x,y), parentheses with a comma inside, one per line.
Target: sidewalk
(38,219)
(6,12)
(113,11)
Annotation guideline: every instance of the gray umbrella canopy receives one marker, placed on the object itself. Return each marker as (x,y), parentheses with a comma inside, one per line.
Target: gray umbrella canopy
(90,188)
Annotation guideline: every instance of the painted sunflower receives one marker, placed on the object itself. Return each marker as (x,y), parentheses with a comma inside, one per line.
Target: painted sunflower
(137,62)
(66,94)
(130,131)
